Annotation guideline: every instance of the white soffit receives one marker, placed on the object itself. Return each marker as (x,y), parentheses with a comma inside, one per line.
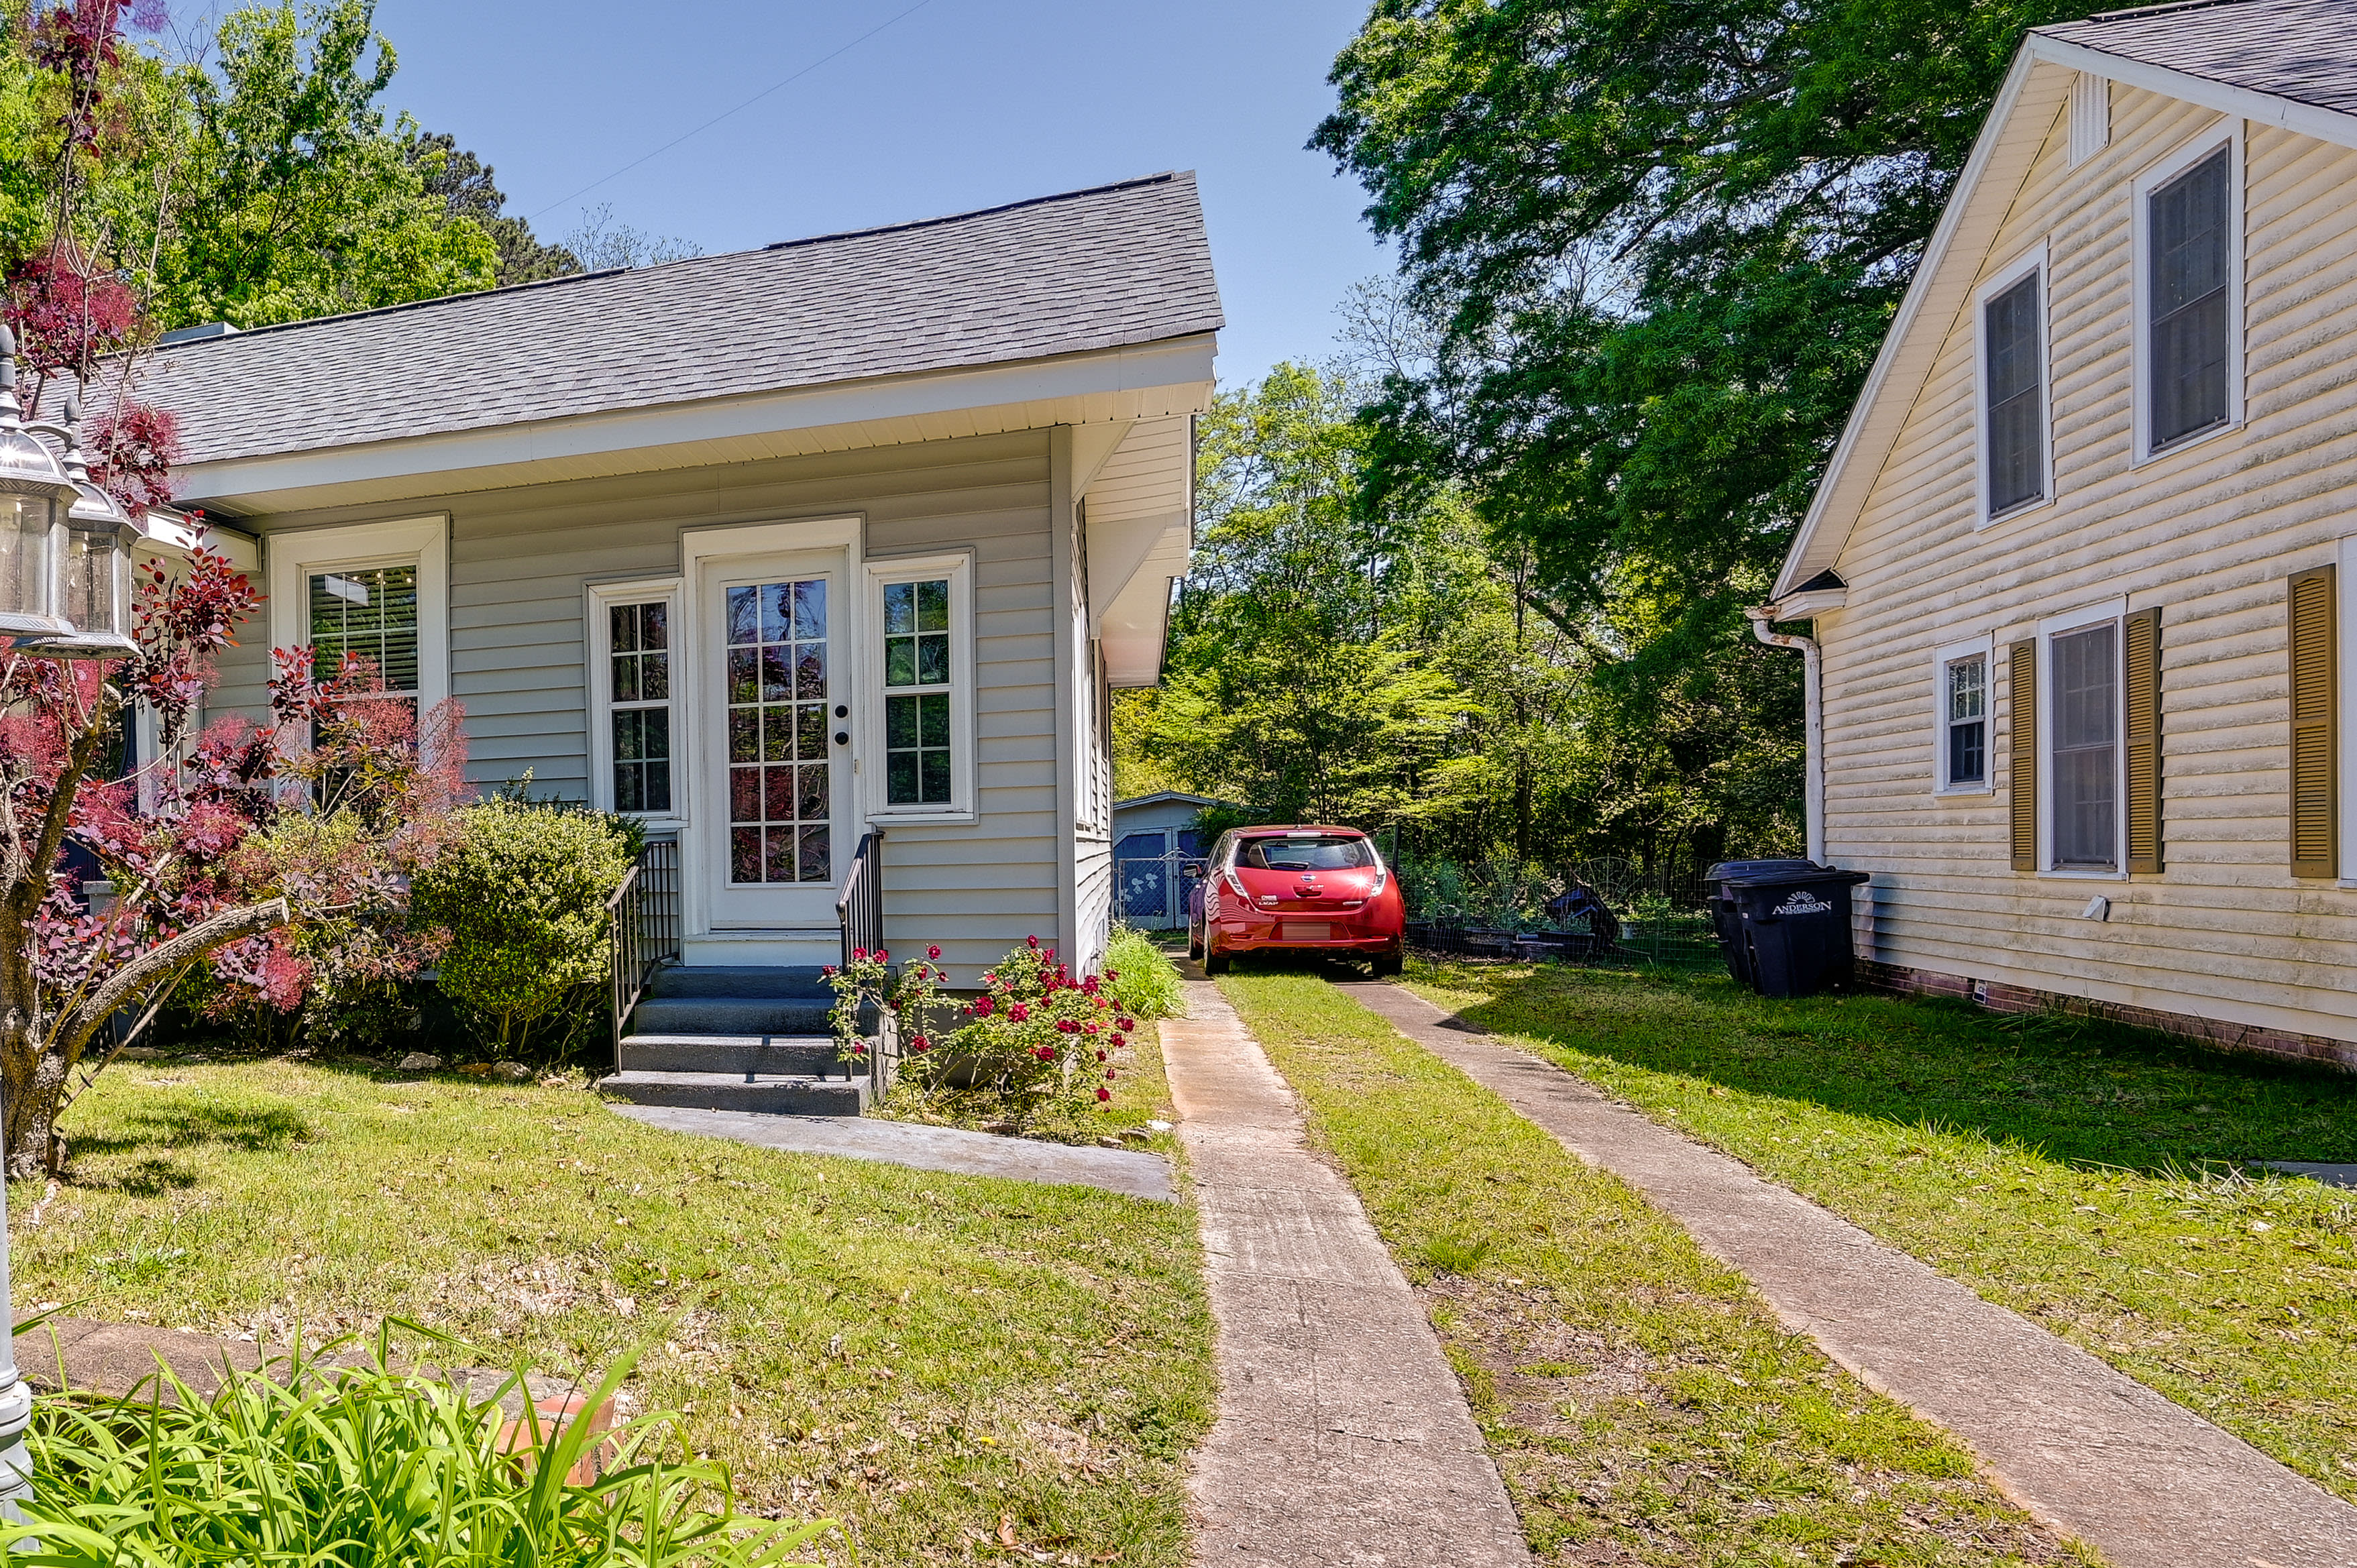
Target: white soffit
(1140,510)
(1111,387)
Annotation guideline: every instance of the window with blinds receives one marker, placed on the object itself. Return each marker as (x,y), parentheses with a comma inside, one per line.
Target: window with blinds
(367,613)
(2013,370)
(2315,733)
(2192,235)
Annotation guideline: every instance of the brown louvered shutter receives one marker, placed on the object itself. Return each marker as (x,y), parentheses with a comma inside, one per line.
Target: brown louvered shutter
(2315,771)
(2021,745)
(2142,643)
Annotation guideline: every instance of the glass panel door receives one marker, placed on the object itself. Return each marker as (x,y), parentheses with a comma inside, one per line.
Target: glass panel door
(780,793)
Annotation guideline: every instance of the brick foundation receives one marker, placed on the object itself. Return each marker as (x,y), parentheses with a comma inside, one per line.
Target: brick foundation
(1999,997)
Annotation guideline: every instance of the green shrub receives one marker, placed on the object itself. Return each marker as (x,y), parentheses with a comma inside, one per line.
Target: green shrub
(309,1463)
(523,889)
(1140,977)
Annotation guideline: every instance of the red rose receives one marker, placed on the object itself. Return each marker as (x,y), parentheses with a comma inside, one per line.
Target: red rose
(1108,1072)
(1112,974)
(859,955)
(919,1042)
(1018,1012)
(1032,942)
(1104,1094)
(1124,1023)
(933,951)
(982,1005)
(1101,1056)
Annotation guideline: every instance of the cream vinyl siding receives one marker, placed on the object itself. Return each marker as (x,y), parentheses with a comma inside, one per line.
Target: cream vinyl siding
(2209,534)
(520,560)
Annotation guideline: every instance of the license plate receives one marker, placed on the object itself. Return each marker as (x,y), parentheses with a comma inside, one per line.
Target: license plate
(1308,930)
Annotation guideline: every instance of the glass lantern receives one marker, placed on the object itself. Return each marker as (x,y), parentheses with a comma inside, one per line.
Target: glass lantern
(94,579)
(32,484)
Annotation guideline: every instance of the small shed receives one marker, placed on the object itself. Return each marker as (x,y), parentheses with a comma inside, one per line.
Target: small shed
(1153,838)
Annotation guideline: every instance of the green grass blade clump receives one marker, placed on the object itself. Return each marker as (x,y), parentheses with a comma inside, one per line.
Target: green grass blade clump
(1146,983)
(309,1463)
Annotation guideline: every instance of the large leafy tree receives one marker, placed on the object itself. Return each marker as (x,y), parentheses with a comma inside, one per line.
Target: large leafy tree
(465,185)
(1663,243)
(296,198)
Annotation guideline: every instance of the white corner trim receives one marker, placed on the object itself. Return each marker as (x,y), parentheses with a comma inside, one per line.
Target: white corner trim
(2032,263)
(598,598)
(2218,133)
(2345,697)
(958,566)
(292,555)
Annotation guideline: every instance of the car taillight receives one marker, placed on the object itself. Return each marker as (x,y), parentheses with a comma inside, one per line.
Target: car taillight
(1383,871)
(1237,883)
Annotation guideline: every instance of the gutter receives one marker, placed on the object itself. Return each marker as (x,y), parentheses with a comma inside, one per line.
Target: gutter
(1763,616)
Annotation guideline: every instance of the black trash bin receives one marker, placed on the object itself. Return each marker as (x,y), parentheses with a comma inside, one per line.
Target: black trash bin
(1723,919)
(1793,928)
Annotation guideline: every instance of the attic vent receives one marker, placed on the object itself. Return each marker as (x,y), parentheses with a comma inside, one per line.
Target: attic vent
(2090,117)
(1823,582)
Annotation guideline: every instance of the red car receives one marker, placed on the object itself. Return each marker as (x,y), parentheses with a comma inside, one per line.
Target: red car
(1321,891)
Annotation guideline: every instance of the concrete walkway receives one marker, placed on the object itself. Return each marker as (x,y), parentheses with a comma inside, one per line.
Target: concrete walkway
(1342,1436)
(953,1149)
(2085,1448)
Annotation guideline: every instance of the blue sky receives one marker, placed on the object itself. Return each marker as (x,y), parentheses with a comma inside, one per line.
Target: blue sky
(964,104)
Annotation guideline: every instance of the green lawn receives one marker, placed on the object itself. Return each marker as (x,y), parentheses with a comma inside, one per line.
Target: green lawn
(921,1355)
(2088,1175)
(1642,1401)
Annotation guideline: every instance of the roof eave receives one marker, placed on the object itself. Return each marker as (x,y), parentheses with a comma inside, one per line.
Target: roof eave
(839,415)
(1841,494)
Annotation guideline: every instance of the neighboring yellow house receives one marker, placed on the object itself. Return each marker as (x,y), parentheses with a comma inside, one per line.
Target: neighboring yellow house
(2080,571)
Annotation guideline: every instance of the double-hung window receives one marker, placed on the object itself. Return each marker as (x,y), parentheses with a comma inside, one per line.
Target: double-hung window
(2085,748)
(2190,255)
(2015,431)
(923,615)
(376,592)
(636,750)
(1961,733)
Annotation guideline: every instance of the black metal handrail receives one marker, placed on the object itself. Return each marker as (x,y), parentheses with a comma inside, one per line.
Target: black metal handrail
(642,926)
(859,912)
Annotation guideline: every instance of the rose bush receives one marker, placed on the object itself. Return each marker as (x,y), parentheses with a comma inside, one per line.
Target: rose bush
(1035,1036)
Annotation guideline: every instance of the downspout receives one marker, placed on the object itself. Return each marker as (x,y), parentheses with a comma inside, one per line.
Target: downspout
(1812,683)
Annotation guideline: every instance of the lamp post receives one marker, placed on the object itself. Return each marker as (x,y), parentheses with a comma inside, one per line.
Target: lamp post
(65,593)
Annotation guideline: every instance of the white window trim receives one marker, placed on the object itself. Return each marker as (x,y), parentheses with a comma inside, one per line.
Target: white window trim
(957,566)
(2227,132)
(1983,648)
(2033,261)
(2115,611)
(601,597)
(425,541)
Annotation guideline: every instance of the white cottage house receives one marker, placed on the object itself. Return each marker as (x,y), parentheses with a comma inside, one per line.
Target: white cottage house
(2079,571)
(780,551)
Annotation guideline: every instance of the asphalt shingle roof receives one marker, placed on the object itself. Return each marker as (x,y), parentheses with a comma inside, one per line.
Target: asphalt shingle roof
(1114,266)
(2305,50)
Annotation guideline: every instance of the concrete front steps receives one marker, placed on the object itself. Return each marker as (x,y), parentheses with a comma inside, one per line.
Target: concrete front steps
(736,1037)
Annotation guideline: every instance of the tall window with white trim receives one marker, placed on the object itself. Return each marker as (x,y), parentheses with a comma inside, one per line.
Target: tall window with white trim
(1964,722)
(2013,340)
(367,613)
(2188,297)
(638,640)
(919,686)
(2085,748)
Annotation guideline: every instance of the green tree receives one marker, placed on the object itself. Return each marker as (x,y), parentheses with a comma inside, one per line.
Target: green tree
(295,197)
(1659,245)
(465,186)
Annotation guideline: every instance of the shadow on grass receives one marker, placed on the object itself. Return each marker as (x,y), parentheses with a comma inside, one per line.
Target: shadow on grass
(2084,1092)
(139,1138)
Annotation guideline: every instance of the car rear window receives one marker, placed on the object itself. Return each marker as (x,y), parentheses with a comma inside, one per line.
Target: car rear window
(1306,854)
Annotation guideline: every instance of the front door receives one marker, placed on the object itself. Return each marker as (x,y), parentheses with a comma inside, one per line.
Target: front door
(777,771)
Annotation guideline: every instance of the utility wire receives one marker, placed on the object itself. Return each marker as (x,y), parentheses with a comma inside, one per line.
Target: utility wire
(774,87)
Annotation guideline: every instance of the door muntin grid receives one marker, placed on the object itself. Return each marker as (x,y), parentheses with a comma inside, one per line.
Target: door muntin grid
(780,792)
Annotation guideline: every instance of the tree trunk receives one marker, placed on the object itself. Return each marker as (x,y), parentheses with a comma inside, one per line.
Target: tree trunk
(37,1054)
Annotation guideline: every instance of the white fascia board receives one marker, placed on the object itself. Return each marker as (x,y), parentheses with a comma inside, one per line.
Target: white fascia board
(1182,364)
(2243,103)
(1874,418)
